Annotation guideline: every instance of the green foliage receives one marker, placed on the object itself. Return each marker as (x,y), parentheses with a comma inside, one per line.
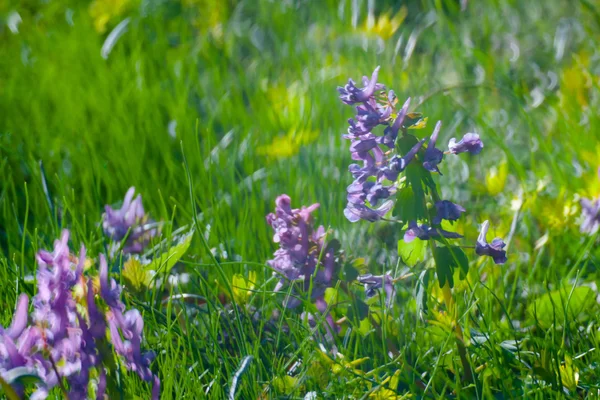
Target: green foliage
(248,90)
(168,259)
(413,252)
(564,306)
(447,260)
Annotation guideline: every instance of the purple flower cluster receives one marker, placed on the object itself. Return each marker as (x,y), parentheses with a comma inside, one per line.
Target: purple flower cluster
(126,328)
(62,340)
(494,249)
(590,210)
(303,259)
(373,283)
(375,180)
(130,222)
(301,249)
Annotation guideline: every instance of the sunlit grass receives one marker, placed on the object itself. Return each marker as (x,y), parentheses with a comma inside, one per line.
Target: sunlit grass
(246,91)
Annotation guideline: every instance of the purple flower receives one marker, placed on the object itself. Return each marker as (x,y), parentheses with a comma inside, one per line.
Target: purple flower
(425,232)
(432,155)
(14,348)
(55,311)
(373,283)
(126,336)
(129,221)
(331,327)
(398,164)
(355,212)
(494,249)
(470,142)
(19,322)
(391,132)
(590,210)
(126,328)
(350,94)
(447,210)
(61,344)
(302,252)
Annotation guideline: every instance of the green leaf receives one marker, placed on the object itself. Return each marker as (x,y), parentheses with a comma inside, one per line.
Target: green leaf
(408,207)
(8,390)
(285,384)
(167,260)
(331,296)
(359,311)
(560,304)
(413,252)
(354,268)
(447,258)
(365,327)
(136,277)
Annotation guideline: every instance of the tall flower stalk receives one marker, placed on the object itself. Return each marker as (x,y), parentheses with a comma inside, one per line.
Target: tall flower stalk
(396,163)
(305,260)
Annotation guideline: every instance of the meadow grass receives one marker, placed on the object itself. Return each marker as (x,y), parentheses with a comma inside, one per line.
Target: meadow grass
(213,108)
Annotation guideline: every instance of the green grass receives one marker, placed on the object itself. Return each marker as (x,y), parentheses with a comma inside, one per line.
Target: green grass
(234,76)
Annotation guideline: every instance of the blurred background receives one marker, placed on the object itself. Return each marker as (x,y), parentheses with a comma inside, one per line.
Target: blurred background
(111,93)
(99,96)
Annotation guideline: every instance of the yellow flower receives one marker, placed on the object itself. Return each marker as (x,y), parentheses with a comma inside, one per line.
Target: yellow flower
(385,25)
(389,393)
(105,11)
(576,81)
(243,287)
(288,145)
(568,374)
(496,178)
(136,278)
(211,14)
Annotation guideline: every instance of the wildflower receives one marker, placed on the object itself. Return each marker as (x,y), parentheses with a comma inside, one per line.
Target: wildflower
(61,343)
(301,250)
(470,142)
(447,210)
(391,132)
(331,327)
(433,156)
(15,352)
(55,312)
(425,232)
(350,94)
(116,223)
(131,222)
(125,327)
(398,164)
(494,249)
(303,257)
(590,210)
(355,212)
(373,283)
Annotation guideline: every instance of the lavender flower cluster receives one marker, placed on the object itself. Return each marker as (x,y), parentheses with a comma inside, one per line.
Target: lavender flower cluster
(376,180)
(590,212)
(129,223)
(67,337)
(303,259)
(591,216)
